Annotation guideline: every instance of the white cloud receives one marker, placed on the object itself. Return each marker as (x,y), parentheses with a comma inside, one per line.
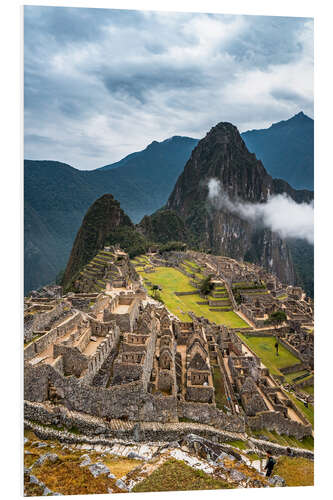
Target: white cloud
(280,213)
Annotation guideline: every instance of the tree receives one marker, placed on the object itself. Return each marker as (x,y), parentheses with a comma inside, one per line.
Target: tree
(276,318)
(156,292)
(238,298)
(206,285)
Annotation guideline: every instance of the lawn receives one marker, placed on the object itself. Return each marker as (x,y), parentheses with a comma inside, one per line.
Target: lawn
(171,280)
(175,475)
(264,348)
(220,397)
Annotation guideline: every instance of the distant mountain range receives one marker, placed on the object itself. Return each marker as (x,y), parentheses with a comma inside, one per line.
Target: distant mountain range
(286,149)
(57,195)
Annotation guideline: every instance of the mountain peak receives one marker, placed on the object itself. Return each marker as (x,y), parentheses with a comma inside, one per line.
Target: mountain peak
(102,217)
(300,116)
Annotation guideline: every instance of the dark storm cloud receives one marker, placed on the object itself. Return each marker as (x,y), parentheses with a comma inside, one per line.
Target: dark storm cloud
(140,83)
(289,96)
(100,84)
(267,40)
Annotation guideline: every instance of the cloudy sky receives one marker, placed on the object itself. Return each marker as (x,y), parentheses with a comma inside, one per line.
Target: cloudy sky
(100,84)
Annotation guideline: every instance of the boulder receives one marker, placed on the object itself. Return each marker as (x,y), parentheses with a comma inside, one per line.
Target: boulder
(277,481)
(86,460)
(48,457)
(98,469)
(120,483)
(237,475)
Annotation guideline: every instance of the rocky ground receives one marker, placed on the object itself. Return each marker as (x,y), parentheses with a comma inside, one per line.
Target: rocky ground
(53,468)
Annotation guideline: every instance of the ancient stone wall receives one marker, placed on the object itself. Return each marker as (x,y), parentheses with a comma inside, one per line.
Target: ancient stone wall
(275,421)
(74,362)
(291,349)
(203,413)
(199,393)
(40,321)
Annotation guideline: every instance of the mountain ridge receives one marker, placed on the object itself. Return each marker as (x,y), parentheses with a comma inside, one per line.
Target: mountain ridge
(59,195)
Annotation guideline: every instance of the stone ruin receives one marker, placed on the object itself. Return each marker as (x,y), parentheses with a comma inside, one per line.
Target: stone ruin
(118,355)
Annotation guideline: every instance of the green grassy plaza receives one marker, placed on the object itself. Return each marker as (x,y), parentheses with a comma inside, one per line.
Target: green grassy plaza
(264,348)
(171,280)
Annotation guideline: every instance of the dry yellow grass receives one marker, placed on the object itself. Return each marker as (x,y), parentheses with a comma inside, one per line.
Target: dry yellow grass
(121,467)
(295,471)
(66,476)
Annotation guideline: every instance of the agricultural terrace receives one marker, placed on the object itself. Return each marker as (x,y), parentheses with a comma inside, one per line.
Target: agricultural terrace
(171,280)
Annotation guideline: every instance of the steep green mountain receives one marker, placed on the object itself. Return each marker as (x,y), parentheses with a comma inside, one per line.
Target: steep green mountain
(164,226)
(222,155)
(286,149)
(103,223)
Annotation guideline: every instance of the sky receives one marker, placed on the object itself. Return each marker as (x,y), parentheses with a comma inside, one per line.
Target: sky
(100,84)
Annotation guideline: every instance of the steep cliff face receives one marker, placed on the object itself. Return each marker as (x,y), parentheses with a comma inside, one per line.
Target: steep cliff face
(222,155)
(102,219)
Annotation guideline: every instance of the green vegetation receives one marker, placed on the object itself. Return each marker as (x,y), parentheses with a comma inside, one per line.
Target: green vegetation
(248,285)
(309,389)
(264,348)
(206,285)
(171,280)
(306,443)
(282,297)
(237,443)
(175,475)
(172,246)
(129,240)
(163,227)
(276,318)
(308,412)
(295,471)
(220,397)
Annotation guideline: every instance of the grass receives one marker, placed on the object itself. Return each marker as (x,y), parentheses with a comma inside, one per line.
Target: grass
(308,388)
(175,475)
(171,280)
(66,476)
(35,337)
(264,348)
(307,412)
(120,466)
(306,443)
(291,376)
(220,397)
(296,471)
(237,443)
